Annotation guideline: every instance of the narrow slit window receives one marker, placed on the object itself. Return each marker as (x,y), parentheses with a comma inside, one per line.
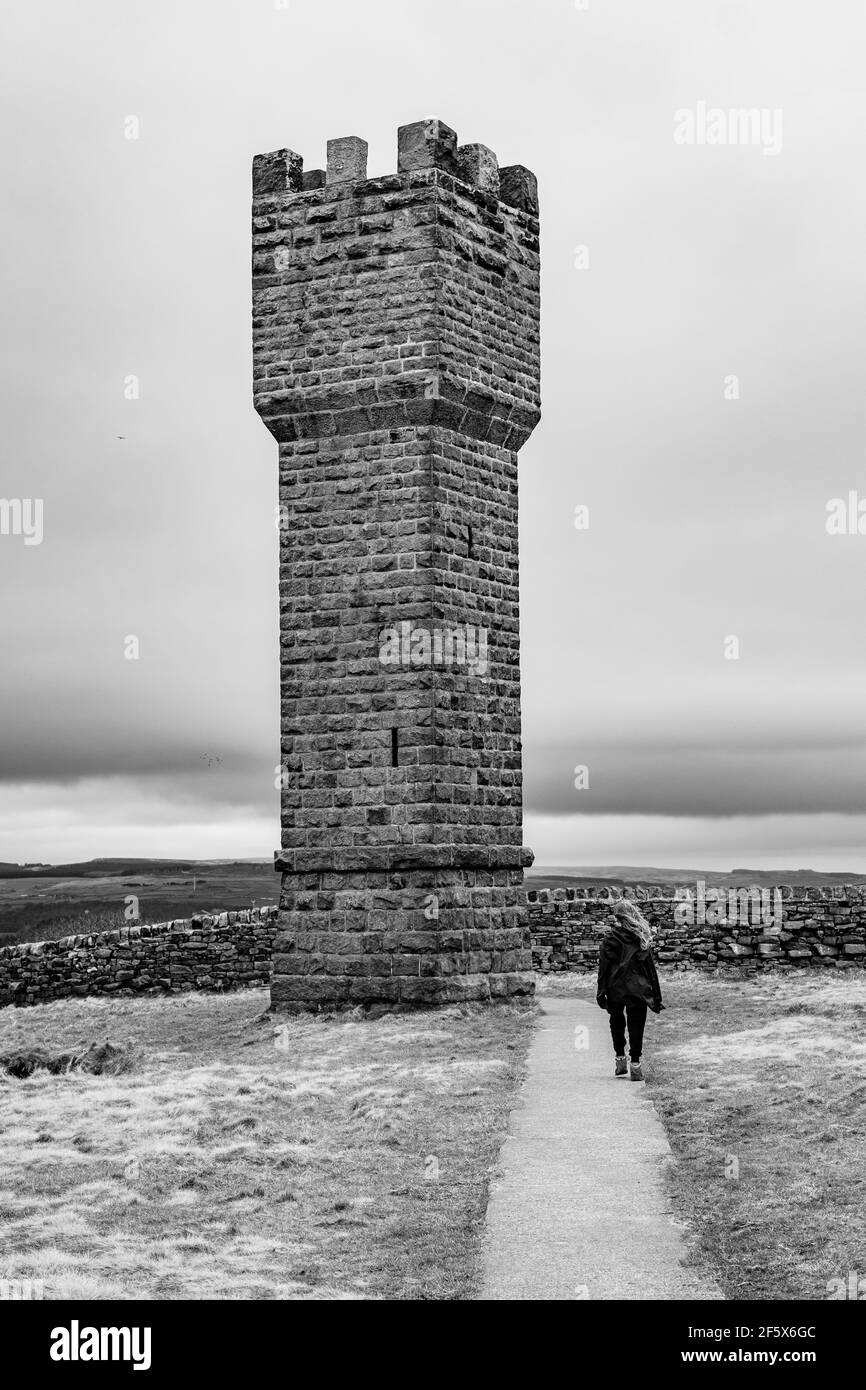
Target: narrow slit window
(395,749)
(469,541)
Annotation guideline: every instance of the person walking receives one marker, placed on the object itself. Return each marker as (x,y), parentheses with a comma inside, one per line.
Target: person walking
(628,984)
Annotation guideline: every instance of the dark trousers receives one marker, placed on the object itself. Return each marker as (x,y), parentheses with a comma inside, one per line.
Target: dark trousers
(635,1011)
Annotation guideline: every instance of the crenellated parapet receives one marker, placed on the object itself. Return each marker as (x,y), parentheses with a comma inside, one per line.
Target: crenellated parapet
(413,298)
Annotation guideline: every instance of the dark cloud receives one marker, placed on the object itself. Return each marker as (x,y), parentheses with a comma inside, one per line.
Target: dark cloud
(60,759)
(714,782)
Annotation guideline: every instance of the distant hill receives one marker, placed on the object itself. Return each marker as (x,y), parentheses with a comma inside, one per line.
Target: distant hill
(119,868)
(541,876)
(558,876)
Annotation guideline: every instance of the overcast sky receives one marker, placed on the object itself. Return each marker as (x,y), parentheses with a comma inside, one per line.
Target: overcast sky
(706,514)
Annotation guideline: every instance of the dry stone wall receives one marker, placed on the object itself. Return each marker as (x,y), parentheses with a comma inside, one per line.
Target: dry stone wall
(222,952)
(788,927)
(480,930)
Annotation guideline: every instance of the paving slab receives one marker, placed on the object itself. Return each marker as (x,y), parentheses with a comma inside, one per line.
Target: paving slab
(578,1209)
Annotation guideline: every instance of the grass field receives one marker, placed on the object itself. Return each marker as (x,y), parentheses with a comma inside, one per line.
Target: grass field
(248,1157)
(762,1089)
(49,907)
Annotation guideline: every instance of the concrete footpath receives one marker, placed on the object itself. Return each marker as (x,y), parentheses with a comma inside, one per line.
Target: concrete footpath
(578,1209)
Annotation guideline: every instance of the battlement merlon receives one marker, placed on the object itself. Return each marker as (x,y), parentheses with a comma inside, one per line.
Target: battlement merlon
(423,145)
(409,299)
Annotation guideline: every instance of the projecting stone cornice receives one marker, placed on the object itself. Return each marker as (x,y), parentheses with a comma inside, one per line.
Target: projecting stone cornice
(397,858)
(427,400)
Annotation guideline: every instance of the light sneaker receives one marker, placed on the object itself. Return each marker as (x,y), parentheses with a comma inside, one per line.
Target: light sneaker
(621,1067)
(636,1071)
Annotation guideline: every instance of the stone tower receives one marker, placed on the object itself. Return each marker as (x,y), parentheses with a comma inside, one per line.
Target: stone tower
(396,362)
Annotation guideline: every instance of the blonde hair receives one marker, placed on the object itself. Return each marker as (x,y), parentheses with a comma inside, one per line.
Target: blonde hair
(629,912)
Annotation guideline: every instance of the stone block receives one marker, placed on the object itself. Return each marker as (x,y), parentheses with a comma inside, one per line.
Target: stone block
(276,173)
(427,144)
(347,160)
(477,165)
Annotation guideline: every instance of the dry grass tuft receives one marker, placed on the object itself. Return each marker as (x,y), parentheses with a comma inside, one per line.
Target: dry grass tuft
(100,1059)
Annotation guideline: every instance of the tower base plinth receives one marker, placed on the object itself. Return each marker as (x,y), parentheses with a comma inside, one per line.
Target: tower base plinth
(400,940)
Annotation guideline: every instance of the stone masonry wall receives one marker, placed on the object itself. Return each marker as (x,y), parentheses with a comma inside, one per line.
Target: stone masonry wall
(479,919)
(396,362)
(396,353)
(818,927)
(230,951)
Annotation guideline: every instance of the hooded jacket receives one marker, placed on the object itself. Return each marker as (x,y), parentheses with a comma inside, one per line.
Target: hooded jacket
(626,970)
